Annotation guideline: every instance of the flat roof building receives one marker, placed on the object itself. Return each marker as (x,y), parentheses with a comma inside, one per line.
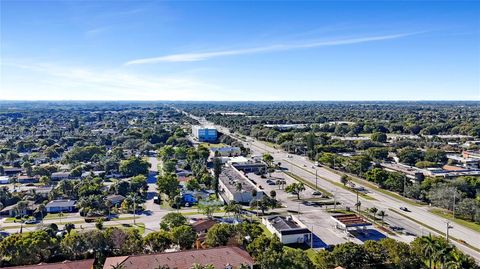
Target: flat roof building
(235,186)
(204,133)
(289,229)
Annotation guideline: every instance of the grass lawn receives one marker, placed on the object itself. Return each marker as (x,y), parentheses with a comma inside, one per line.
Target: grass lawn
(376,188)
(51,216)
(306,182)
(340,211)
(448,215)
(214,145)
(265,230)
(139,226)
(338,184)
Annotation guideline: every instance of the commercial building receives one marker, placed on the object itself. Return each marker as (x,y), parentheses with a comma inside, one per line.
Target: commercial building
(226,151)
(235,186)
(204,134)
(289,229)
(348,221)
(220,258)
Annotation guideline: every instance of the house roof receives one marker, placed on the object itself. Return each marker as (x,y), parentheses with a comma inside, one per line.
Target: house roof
(218,257)
(61,203)
(116,198)
(82,264)
(202,225)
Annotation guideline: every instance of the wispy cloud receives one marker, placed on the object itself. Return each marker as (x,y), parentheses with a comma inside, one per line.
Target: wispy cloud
(67,82)
(193,57)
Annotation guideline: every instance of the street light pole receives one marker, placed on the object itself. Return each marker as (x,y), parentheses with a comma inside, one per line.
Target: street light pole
(316,178)
(448,228)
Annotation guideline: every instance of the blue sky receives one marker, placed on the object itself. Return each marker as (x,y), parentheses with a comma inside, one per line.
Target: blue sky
(240,50)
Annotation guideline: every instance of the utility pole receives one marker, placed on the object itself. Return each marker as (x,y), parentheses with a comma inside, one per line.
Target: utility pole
(448,228)
(404,185)
(334,201)
(453,209)
(134,207)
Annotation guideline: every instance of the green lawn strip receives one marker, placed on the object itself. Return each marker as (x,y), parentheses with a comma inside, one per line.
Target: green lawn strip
(190,213)
(308,183)
(435,230)
(445,214)
(139,226)
(9,220)
(265,230)
(213,145)
(375,187)
(122,218)
(338,184)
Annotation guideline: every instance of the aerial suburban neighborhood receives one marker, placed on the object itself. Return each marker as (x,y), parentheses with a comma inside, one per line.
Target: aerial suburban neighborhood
(278,134)
(147,184)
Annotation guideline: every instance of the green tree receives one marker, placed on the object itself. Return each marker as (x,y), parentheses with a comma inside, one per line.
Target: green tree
(219,235)
(295,188)
(171,220)
(157,241)
(350,255)
(168,184)
(27,248)
(379,137)
(134,166)
(184,236)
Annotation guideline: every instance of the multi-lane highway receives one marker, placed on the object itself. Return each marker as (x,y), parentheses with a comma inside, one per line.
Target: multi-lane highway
(306,169)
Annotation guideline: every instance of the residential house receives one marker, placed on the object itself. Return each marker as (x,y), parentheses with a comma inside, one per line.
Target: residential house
(13,210)
(81,264)
(57,176)
(115,199)
(220,258)
(57,206)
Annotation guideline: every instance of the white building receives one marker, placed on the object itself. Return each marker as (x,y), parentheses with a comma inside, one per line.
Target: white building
(289,229)
(235,186)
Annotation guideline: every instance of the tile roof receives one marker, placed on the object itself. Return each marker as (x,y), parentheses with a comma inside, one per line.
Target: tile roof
(218,257)
(82,264)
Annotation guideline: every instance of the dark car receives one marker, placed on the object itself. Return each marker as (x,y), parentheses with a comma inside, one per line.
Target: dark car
(404,209)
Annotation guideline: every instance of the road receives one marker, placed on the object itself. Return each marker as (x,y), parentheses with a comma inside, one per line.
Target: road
(303,167)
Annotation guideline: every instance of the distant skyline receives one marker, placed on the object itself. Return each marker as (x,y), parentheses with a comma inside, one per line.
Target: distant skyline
(240,50)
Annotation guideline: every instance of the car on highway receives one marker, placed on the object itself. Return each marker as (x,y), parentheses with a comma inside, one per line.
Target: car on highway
(316,193)
(30,221)
(404,209)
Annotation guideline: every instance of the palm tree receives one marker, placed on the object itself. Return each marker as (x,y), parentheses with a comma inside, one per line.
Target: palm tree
(458,260)
(374,211)
(382,215)
(344,179)
(41,209)
(428,248)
